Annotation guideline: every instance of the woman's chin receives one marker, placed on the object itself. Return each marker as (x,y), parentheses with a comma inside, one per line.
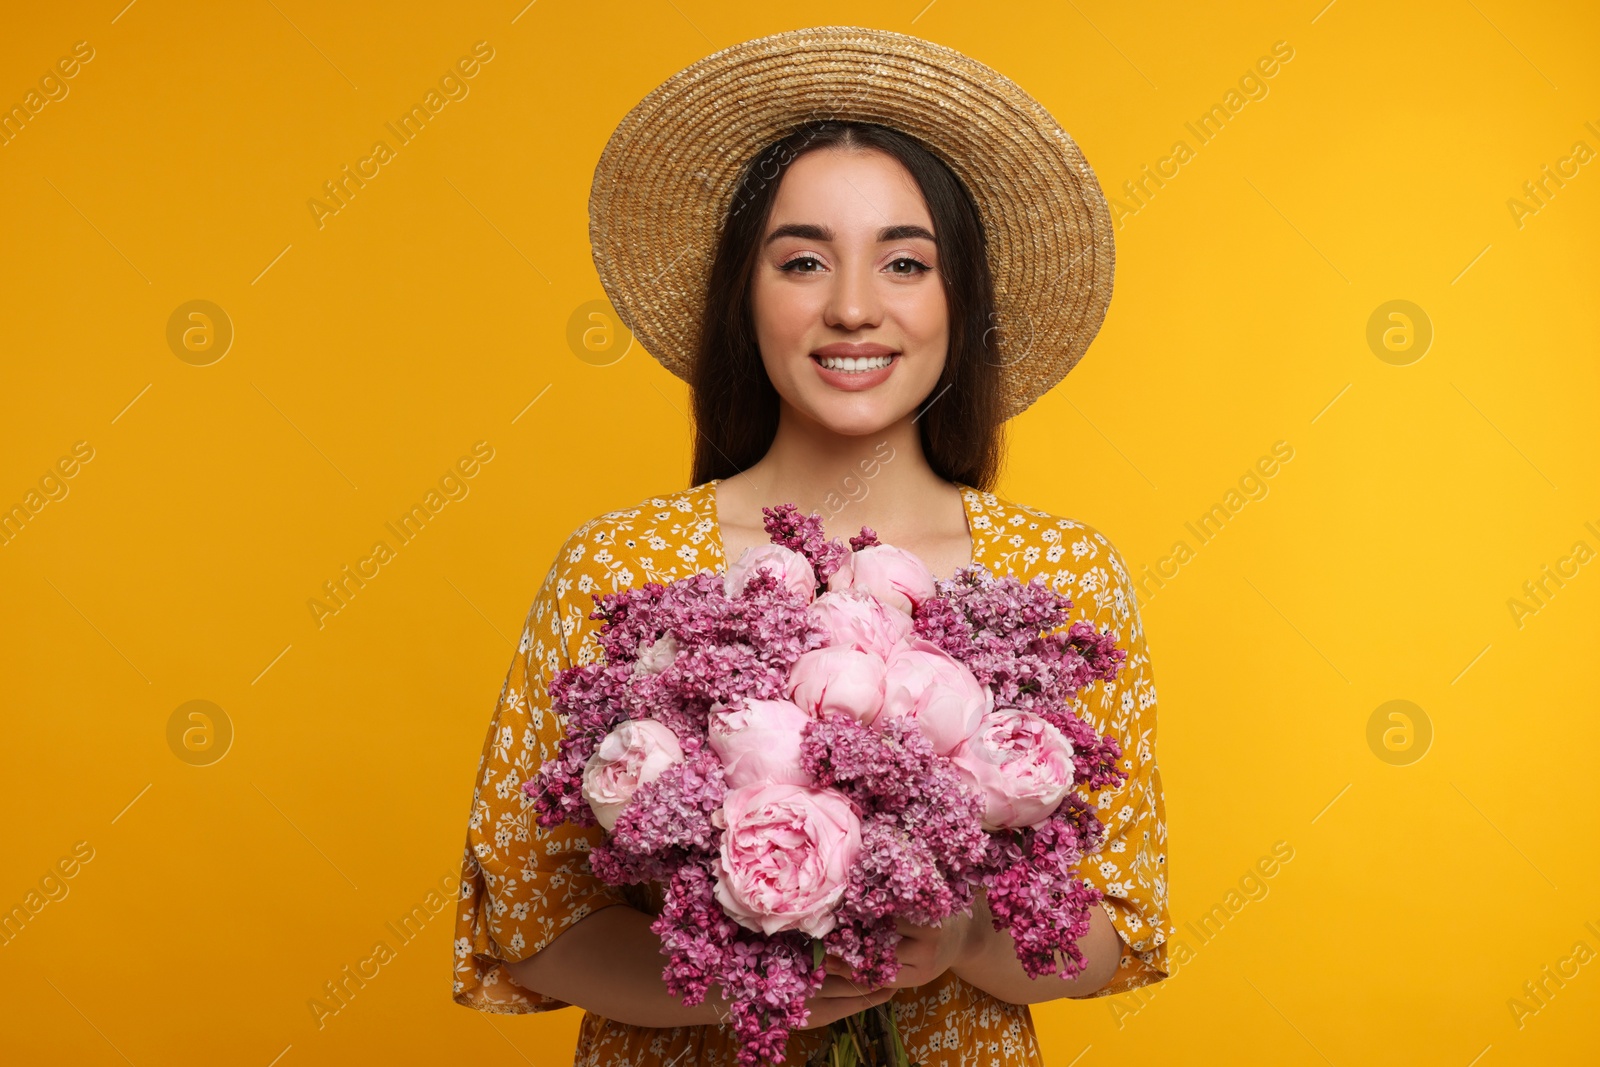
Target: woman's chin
(858,414)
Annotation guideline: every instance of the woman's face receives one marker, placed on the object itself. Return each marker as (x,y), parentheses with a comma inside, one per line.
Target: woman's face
(849,258)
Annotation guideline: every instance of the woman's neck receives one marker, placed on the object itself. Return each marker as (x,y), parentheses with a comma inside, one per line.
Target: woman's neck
(882,480)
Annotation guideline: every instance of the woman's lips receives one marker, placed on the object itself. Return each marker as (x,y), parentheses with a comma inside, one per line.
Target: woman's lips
(855,381)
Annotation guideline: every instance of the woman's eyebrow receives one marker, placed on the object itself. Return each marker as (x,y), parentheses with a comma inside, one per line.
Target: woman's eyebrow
(810,231)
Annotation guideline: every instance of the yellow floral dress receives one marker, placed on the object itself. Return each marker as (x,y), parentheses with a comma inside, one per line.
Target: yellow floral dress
(523,885)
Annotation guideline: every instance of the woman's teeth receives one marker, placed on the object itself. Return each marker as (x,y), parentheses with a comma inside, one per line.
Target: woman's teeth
(847,363)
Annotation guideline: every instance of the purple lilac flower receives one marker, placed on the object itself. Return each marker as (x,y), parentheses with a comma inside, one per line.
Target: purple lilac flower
(803,533)
(865,539)
(1033,893)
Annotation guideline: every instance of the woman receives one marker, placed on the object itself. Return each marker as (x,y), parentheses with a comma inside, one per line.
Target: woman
(849,362)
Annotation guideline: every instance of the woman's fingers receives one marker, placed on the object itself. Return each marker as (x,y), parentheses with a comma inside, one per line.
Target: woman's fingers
(842,986)
(826,1010)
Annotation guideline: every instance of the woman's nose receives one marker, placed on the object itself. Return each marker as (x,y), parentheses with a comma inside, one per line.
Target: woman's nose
(853,302)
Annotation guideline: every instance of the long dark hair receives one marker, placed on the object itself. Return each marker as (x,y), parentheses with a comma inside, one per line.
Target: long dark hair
(735,404)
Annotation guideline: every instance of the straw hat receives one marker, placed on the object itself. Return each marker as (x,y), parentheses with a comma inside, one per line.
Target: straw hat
(667,177)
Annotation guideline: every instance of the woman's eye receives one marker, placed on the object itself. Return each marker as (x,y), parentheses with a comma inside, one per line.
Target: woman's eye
(895,266)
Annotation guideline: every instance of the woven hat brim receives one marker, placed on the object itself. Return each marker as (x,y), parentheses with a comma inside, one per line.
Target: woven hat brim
(668,174)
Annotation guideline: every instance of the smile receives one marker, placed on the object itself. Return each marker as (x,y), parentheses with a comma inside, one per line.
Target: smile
(850,365)
(855,374)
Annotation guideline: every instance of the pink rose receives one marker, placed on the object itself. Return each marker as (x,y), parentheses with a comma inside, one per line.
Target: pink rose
(1020,764)
(891,574)
(838,680)
(636,752)
(758,741)
(789,565)
(786,856)
(859,621)
(924,682)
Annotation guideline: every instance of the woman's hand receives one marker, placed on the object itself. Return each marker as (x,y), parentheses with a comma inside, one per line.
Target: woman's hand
(926,952)
(967,941)
(840,996)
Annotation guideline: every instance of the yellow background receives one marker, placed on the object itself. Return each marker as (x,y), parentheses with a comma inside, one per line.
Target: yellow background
(431,311)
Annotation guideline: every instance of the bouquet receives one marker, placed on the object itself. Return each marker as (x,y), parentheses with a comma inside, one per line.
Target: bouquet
(820,742)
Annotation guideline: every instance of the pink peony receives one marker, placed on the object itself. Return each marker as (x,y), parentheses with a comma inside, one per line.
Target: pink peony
(1021,765)
(859,621)
(636,752)
(786,563)
(838,680)
(658,656)
(926,683)
(758,741)
(891,574)
(786,856)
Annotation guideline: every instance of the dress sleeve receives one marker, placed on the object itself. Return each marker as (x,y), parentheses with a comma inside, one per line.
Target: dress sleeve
(522,885)
(1131,869)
